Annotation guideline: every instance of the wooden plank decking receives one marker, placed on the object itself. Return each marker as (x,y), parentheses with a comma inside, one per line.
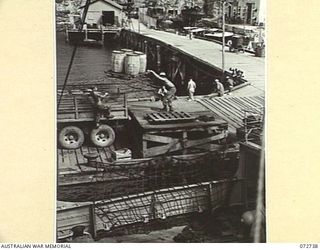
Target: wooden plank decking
(73,161)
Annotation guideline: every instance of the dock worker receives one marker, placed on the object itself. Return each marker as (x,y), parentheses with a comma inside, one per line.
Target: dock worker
(191,89)
(219,87)
(101,108)
(168,92)
(229,83)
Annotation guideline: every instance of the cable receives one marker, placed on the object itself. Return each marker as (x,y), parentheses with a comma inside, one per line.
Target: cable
(73,52)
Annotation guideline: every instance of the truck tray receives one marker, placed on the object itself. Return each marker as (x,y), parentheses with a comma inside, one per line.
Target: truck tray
(75,108)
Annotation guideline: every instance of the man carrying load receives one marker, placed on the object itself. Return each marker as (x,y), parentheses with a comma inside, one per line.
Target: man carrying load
(167,90)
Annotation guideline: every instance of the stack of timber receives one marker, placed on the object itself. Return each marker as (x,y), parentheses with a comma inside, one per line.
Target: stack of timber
(232,109)
(108,215)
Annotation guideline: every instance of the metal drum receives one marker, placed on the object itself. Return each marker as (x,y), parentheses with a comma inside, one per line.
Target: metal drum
(132,64)
(117,61)
(143,61)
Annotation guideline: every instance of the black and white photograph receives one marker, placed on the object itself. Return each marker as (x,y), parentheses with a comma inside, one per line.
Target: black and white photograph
(160,121)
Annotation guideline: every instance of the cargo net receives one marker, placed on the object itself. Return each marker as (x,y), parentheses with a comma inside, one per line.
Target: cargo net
(161,204)
(137,176)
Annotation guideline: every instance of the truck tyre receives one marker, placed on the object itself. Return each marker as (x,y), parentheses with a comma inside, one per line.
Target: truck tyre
(71,137)
(103,136)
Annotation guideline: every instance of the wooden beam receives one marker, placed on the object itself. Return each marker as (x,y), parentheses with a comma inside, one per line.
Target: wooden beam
(176,71)
(158,49)
(178,144)
(157,138)
(174,145)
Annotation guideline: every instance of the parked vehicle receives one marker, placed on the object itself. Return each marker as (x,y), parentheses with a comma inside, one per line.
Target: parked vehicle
(76,118)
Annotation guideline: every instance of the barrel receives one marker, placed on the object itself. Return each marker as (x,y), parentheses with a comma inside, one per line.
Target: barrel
(127,51)
(260,52)
(132,64)
(117,61)
(143,61)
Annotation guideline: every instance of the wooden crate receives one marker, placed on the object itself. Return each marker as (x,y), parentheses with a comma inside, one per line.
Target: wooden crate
(121,154)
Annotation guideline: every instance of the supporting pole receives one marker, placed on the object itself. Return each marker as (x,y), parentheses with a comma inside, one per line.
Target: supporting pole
(158,58)
(67,34)
(139,20)
(146,47)
(85,34)
(223,36)
(102,36)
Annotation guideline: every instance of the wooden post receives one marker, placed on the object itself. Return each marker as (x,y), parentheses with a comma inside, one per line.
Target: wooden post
(146,47)
(127,39)
(67,34)
(93,220)
(184,140)
(102,36)
(182,72)
(144,147)
(85,34)
(195,74)
(158,48)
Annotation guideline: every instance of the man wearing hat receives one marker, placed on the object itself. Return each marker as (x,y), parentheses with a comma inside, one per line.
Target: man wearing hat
(168,90)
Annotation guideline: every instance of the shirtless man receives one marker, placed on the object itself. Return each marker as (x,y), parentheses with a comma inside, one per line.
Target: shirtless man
(168,93)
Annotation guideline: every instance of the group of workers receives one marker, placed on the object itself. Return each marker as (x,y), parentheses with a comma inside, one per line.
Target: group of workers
(166,94)
(168,89)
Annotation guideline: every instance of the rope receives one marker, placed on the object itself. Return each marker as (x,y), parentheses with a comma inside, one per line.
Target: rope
(73,53)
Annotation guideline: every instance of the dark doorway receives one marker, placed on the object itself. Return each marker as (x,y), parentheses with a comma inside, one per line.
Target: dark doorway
(108,17)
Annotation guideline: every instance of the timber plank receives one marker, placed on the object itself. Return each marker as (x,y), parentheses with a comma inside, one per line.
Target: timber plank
(157,138)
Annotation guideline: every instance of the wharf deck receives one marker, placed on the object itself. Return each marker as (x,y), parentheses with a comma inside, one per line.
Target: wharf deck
(73,160)
(210,53)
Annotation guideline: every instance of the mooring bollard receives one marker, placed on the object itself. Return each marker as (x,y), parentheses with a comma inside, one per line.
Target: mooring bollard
(91,157)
